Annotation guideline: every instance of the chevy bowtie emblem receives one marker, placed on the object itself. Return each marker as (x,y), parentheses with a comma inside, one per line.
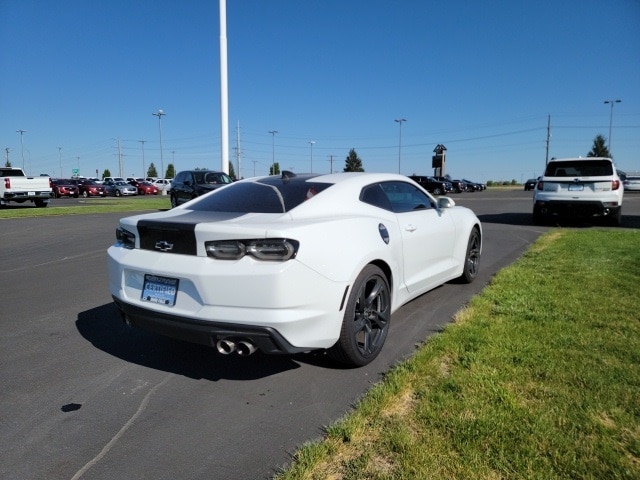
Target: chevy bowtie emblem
(164,246)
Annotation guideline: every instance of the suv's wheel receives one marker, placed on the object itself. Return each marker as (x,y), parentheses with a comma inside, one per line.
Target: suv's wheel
(538,216)
(174,201)
(615,219)
(366,319)
(437,191)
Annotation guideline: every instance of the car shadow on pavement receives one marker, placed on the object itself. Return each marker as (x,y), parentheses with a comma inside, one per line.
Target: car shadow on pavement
(103,327)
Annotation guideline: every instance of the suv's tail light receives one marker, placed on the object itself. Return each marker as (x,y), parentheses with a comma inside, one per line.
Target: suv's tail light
(7,183)
(615,184)
(540,185)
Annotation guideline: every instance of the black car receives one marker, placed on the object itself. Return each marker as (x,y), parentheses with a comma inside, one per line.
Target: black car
(530,184)
(458,185)
(475,185)
(190,184)
(431,185)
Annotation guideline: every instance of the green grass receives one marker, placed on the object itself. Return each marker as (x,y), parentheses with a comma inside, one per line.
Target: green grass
(90,205)
(539,378)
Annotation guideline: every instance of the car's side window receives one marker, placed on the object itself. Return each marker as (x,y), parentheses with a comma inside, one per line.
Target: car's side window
(405,197)
(373,195)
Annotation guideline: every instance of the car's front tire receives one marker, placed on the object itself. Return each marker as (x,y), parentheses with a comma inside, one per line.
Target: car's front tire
(366,319)
(174,201)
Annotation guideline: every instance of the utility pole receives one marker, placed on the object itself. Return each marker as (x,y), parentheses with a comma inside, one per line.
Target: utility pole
(21,132)
(330,163)
(6,156)
(144,173)
(400,120)
(120,165)
(273,151)
(238,173)
(311,143)
(546,160)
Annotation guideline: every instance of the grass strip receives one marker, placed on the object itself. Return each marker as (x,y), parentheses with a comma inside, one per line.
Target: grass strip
(538,378)
(89,206)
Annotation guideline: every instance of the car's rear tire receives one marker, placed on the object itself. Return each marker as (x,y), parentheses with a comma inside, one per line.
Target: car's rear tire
(615,219)
(118,193)
(174,201)
(472,257)
(366,319)
(437,191)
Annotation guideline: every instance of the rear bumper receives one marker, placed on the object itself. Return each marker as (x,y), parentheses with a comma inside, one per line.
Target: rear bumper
(568,208)
(27,195)
(202,332)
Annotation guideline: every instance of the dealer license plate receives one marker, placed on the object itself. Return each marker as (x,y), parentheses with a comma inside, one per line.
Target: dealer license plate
(576,187)
(162,290)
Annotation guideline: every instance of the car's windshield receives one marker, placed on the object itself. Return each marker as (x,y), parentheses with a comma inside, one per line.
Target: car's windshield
(269,195)
(587,168)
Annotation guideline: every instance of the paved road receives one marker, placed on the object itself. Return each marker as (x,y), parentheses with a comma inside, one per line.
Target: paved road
(83,396)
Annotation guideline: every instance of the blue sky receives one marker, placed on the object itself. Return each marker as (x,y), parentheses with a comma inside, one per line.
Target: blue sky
(482,78)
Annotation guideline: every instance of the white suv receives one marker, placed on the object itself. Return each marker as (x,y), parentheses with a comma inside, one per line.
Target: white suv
(579,187)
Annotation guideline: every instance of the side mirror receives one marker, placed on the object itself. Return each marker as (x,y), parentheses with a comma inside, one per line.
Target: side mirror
(445,202)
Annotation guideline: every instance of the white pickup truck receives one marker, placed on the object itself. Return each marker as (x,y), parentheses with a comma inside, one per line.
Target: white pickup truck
(15,186)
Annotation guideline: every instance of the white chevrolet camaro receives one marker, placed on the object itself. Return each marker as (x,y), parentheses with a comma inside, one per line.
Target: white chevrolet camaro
(292,263)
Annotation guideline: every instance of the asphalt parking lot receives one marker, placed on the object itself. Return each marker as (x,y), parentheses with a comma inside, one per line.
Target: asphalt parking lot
(85,396)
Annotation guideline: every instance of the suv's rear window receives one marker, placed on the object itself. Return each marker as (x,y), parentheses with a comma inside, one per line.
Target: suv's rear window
(587,168)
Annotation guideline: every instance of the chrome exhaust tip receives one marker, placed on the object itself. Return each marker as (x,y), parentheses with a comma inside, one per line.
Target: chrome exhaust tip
(245,348)
(225,346)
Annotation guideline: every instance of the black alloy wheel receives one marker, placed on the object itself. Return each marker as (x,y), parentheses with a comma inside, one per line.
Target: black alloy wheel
(472,257)
(366,319)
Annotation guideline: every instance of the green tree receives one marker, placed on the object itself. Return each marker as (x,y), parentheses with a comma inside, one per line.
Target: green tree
(151,171)
(106,173)
(171,171)
(599,148)
(274,169)
(232,172)
(353,163)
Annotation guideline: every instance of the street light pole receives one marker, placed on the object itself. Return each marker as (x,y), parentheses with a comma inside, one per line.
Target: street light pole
(273,151)
(21,132)
(612,102)
(400,120)
(159,114)
(60,159)
(311,143)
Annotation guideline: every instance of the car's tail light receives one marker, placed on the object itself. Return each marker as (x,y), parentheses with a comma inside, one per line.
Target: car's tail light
(540,185)
(615,184)
(7,183)
(270,249)
(126,238)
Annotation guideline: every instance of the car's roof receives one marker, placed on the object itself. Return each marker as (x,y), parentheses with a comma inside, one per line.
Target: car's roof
(579,159)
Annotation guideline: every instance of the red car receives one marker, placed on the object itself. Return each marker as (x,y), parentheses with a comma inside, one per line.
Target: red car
(144,188)
(90,188)
(64,188)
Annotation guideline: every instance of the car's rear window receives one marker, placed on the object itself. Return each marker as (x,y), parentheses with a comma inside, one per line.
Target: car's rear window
(587,168)
(269,195)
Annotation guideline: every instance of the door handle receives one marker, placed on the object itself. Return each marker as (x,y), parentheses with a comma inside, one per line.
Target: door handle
(410,227)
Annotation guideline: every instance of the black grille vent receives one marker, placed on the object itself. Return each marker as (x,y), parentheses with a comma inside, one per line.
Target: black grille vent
(167,237)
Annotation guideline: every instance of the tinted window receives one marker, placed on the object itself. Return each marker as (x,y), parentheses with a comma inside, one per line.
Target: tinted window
(269,195)
(404,197)
(374,195)
(588,168)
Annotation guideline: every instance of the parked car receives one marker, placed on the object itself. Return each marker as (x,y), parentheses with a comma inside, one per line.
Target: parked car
(430,184)
(458,185)
(144,187)
(632,182)
(288,264)
(530,184)
(475,185)
(63,187)
(112,179)
(121,189)
(579,187)
(163,184)
(90,188)
(190,184)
